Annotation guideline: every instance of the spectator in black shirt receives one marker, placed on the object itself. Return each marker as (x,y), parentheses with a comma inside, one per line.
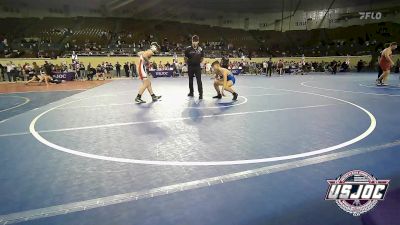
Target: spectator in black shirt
(270,64)
(91,72)
(118,69)
(193,57)
(2,72)
(334,66)
(225,62)
(48,68)
(133,69)
(126,68)
(360,65)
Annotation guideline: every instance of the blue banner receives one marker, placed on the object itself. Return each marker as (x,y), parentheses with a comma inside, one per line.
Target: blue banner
(161,73)
(68,76)
(236,72)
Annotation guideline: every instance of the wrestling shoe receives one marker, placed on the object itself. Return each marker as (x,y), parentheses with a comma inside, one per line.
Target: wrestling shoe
(139,100)
(235,96)
(155,98)
(219,96)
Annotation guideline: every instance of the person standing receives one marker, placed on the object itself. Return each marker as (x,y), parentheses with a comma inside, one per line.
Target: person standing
(144,60)
(193,57)
(126,68)
(82,71)
(360,65)
(133,69)
(264,68)
(2,69)
(11,72)
(280,66)
(380,71)
(386,62)
(270,64)
(118,69)
(334,67)
(74,57)
(48,70)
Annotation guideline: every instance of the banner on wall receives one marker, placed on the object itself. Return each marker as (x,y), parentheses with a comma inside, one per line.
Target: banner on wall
(161,73)
(236,71)
(67,76)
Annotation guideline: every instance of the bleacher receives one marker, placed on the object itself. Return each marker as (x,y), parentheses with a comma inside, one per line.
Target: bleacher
(64,35)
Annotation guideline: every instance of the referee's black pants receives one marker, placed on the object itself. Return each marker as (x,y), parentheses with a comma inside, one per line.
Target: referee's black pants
(195,72)
(380,71)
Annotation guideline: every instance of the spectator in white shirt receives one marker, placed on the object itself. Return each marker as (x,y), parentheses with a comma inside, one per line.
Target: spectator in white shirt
(11,72)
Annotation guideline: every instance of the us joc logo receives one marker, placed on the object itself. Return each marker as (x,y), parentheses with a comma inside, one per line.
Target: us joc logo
(356,191)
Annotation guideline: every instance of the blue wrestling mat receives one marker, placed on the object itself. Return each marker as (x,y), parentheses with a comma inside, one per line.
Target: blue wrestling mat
(96,157)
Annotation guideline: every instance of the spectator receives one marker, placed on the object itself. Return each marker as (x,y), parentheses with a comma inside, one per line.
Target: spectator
(132,67)
(180,65)
(91,72)
(167,66)
(100,72)
(48,72)
(334,66)
(2,72)
(82,71)
(160,66)
(184,69)
(89,66)
(360,65)
(154,65)
(264,67)
(118,69)
(19,73)
(225,62)
(280,66)
(344,67)
(108,69)
(10,72)
(270,64)
(397,66)
(126,68)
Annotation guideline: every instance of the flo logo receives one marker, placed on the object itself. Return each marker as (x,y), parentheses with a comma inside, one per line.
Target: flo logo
(356,191)
(370,15)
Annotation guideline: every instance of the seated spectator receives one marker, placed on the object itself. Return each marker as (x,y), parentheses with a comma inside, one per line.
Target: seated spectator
(91,72)
(344,67)
(100,72)
(184,69)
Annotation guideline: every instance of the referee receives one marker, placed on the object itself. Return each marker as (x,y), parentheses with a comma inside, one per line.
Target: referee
(193,57)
